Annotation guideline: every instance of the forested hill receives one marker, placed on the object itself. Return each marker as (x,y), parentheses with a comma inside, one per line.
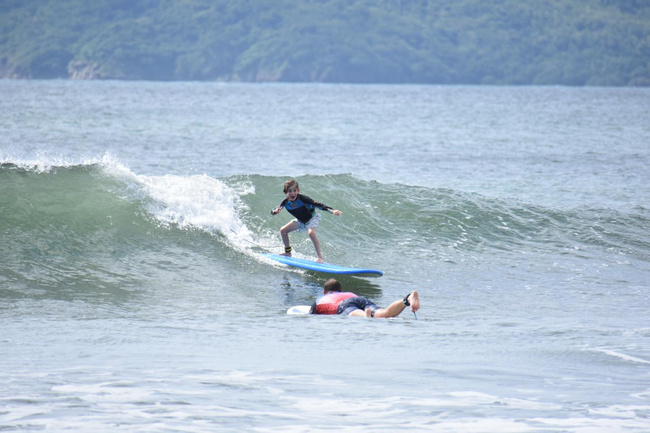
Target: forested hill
(567,42)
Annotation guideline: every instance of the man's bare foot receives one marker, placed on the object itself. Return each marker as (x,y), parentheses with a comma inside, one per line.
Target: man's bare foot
(414,300)
(319,260)
(285,254)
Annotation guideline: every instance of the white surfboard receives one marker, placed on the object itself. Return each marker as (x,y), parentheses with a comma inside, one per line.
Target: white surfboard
(299,310)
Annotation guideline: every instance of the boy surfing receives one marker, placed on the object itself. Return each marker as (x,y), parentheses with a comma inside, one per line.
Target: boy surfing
(307,219)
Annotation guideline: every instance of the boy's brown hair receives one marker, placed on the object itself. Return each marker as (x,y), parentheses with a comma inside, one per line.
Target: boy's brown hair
(288,184)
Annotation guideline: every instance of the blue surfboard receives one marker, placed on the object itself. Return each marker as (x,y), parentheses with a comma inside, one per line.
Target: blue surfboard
(327,268)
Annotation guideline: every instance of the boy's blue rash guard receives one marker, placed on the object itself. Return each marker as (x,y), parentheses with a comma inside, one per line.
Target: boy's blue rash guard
(303,208)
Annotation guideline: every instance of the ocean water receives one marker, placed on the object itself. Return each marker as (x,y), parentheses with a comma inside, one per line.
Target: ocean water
(133,296)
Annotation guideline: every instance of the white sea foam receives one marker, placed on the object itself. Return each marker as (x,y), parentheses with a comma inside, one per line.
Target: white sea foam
(197,201)
(46,162)
(621,355)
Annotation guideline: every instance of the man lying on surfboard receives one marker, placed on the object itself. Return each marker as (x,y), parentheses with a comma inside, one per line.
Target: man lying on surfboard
(334,301)
(304,209)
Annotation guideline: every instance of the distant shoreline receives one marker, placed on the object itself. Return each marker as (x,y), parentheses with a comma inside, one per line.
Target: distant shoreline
(465,42)
(322,83)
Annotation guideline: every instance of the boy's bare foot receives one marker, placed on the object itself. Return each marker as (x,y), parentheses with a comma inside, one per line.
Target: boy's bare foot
(414,300)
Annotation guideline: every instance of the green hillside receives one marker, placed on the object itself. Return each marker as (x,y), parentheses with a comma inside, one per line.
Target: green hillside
(567,42)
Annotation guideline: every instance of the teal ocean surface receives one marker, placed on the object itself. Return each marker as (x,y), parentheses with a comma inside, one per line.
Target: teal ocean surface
(133,295)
